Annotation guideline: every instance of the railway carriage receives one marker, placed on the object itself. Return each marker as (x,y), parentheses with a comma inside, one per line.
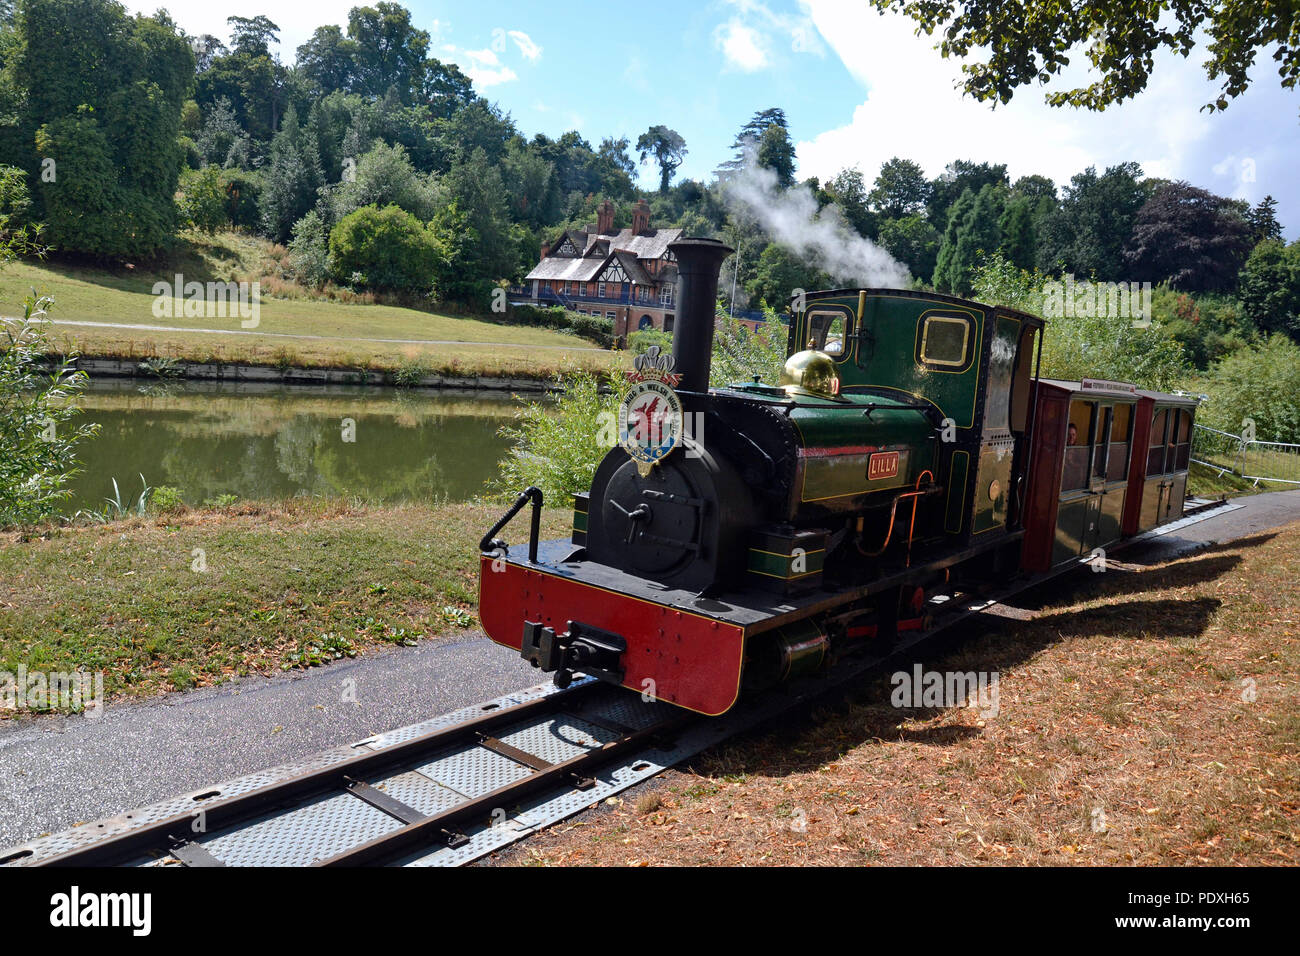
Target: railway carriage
(745,535)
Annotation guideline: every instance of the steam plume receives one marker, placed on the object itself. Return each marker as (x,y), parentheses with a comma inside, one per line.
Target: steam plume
(822,239)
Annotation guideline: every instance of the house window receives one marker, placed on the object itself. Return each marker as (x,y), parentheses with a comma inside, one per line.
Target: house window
(600,290)
(610,316)
(666,295)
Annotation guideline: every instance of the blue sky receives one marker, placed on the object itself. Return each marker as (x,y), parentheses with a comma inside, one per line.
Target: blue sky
(857,87)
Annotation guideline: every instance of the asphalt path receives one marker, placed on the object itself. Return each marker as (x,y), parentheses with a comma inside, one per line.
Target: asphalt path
(58,771)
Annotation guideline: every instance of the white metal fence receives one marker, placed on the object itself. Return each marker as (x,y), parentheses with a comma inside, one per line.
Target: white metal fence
(1253,460)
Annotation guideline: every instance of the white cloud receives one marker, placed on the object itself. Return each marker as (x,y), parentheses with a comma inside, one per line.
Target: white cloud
(482,66)
(531,51)
(742,46)
(914,110)
(754,31)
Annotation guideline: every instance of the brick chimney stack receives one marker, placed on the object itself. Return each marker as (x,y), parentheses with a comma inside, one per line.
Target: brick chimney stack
(640,218)
(546,247)
(605,218)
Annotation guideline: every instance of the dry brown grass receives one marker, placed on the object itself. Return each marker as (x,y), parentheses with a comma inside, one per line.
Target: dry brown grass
(1124,736)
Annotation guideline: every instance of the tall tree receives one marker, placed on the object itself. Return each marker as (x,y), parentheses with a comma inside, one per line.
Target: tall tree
(1263,220)
(776,152)
(1193,239)
(328,60)
(292,178)
(957,177)
(99,106)
(848,191)
(901,189)
(1269,287)
(1017,43)
(972,234)
(389,50)
(666,147)
(1090,230)
(751,135)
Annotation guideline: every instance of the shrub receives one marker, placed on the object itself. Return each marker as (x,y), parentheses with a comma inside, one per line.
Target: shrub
(1260,382)
(740,353)
(639,341)
(309,250)
(559,444)
(596,328)
(383,249)
(203,199)
(37,440)
(166,498)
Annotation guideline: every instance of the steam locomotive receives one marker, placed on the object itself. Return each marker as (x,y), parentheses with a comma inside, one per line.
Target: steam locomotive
(742,536)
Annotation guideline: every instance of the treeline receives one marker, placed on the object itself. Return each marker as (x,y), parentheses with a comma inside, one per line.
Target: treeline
(379,166)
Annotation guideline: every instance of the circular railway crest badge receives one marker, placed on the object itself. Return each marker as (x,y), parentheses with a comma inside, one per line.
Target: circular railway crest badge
(650,415)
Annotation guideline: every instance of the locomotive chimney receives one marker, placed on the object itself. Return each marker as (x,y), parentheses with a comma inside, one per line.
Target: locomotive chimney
(698,262)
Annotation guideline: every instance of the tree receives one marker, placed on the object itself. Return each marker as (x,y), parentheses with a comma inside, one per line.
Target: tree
(1018,235)
(912,241)
(1090,230)
(776,152)
(1269,287)
(957,177)
(383,249)
(328,60)
(901,189)
(1021,42)
(778,274)
(849,193)
(1193,239)
(292,178)
(219,133)
(667,148)
(383,177)
(98,108)
(477,190)
(388,51)
(971,236)
(1263,220)
(253,35)
(751,135)
(1262,383)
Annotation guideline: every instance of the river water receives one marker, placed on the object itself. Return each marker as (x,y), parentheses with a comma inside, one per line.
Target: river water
(267,442)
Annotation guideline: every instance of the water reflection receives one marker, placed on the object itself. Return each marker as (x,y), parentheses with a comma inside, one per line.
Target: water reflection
(260,441)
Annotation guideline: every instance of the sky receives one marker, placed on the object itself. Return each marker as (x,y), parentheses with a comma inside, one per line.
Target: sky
(858,87)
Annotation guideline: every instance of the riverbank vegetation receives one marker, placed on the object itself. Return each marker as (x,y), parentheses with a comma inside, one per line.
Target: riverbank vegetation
(1144,716)
(191,597)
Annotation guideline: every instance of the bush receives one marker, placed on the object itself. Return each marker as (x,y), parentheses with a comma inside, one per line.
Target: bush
(740,353)
(1260,382)
(203,199)
(597,328)
(166,498)
(642,340)
(557,445)
(383,249)
(309,250)
(37,440)
(1077,346)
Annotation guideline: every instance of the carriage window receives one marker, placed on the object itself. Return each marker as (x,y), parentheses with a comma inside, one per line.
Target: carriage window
(1120,437)
(943,341)
(826,332)
(1156,456)
(1078,445)
(1182,451)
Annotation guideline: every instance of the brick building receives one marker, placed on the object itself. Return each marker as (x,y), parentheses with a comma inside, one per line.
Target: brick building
(627,275)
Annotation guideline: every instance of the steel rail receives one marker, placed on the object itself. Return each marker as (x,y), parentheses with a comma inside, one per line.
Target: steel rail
(170,833)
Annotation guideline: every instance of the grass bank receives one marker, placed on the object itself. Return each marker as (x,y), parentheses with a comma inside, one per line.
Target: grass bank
(1146,716)
(345,326)
(284,586)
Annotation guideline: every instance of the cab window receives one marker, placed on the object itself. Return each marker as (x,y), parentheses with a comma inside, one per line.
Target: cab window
(827,333)
(1078,445)
(945,341)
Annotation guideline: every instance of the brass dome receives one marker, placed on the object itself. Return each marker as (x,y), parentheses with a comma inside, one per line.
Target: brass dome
(810,373)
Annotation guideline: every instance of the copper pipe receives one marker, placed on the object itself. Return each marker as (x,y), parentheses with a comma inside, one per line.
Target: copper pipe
(893,510)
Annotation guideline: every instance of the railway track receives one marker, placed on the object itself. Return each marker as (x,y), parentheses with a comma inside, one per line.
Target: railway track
(449,790)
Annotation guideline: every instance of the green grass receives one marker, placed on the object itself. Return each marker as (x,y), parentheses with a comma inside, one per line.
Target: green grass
(286,585)
(345,320)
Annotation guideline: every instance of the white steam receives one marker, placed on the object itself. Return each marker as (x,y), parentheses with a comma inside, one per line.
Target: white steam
(820,238)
